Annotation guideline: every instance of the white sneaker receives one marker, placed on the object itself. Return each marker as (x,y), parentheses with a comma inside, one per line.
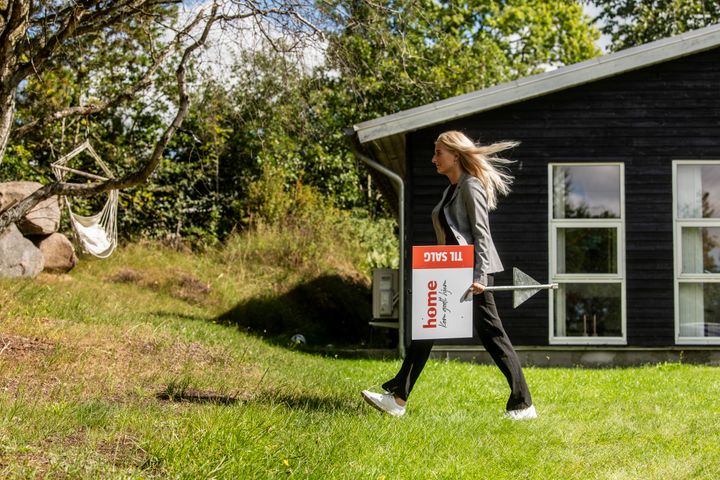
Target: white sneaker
(522,414)
(383,402)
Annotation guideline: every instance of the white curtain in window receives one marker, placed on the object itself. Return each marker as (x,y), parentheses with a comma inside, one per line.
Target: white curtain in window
(559,192)
(689,191)
(689,199)
(692,316)
(692,250)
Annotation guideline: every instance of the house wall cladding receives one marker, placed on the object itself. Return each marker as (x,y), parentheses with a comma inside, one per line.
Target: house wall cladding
(645,119)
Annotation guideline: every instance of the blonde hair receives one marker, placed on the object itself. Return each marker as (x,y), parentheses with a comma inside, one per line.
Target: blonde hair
(480,161)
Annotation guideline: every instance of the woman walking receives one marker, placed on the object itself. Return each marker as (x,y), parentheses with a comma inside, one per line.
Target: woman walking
(461,218)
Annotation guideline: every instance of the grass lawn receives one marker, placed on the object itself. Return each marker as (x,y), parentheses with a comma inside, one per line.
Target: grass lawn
(119,371)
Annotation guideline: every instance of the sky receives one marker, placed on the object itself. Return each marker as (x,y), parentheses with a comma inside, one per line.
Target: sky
(224,48)
(604,41)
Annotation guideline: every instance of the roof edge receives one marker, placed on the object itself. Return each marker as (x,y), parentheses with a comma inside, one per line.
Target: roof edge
(541,84)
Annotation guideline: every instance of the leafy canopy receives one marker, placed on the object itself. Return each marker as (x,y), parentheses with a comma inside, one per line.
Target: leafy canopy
(399,54)
(635,22)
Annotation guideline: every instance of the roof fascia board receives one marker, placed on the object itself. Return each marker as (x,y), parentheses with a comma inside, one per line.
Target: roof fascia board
(541,84)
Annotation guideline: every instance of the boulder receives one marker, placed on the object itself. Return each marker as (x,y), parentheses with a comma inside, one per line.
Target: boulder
(18,256)
(57,251)
(44,219)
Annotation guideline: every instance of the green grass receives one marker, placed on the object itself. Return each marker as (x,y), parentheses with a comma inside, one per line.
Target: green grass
(118,370)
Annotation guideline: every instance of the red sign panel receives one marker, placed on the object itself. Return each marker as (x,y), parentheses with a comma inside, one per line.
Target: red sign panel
(443,256)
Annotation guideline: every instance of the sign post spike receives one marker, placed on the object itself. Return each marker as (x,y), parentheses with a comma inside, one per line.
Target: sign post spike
(524,287)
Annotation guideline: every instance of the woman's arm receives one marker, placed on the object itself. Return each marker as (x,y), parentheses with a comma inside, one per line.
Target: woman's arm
(475,201)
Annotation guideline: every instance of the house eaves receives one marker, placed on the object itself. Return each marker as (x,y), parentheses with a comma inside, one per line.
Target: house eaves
(396,125)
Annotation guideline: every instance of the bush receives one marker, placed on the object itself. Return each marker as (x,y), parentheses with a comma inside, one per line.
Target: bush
(305,230)
(324,257)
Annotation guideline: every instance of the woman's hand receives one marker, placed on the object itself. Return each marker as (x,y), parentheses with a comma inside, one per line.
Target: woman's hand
(477,288)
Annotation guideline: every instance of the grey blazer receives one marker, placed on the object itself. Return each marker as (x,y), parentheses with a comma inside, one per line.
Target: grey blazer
(467,216)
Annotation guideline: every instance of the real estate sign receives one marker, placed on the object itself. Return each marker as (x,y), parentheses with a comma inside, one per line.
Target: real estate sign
(441,305)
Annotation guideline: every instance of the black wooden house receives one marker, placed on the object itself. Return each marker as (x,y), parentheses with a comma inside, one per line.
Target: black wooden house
(616,198)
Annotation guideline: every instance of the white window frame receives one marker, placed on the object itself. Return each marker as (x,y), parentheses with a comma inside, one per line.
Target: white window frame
(616,278)
(679,277)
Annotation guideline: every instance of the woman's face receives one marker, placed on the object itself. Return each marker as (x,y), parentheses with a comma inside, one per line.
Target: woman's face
(445,160)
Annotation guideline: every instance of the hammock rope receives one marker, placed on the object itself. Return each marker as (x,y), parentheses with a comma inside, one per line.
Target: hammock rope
(96,233)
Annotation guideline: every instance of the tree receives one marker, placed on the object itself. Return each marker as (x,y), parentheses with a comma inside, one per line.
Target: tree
(398,54)
(393,55)
(381,57)
(36,36)
(635,22)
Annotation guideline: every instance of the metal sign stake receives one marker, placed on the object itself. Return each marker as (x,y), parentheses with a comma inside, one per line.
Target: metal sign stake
(523,287)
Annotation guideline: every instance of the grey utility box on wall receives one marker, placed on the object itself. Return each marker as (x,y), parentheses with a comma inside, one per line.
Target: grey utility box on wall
(385,293)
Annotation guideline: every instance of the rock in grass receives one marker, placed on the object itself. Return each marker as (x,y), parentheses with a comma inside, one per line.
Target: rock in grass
(19,258)
(57,251)
(43,219)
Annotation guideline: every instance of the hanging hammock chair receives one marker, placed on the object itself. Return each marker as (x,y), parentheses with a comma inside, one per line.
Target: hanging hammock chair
(96,233)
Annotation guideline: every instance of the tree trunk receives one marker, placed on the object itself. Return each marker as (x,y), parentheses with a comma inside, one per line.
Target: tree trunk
(7,113)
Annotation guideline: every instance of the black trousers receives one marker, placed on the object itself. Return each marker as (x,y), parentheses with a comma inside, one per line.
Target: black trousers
(489,328)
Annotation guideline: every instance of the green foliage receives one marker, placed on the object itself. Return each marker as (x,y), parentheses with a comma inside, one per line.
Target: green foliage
(281,116)
(536,34)
(634,22)
(19,164)
(305,229)
(241,156)
(268,201)
(183,201)
(95,68)
(377,236)
(256,142)
(395,55)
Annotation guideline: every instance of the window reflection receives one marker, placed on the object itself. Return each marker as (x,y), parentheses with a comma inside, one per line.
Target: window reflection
(701,250)
(587,250)
(588,310)
(698,191)
(591,191)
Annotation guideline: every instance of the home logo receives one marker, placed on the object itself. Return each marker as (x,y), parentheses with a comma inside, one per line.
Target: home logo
(431,305)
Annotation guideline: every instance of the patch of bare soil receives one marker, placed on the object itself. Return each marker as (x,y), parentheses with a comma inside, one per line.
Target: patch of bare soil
(178,284)
(17,346)
(100,363)
(191,289)
(198,353)
(124,451)
(25,352)
(126,275)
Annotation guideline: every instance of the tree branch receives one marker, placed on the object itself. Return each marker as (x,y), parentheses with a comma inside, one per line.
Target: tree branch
(74,22)
(55,41)
(20,209)
(121,97)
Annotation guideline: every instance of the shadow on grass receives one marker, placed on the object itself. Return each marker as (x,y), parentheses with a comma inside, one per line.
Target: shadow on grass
(295,401)
(198,397)
(181,316)
(327,310)
(306,401)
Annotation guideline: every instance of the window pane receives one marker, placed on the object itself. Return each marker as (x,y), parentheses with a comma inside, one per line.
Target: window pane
(699,309)
(698,191)
(701,250)
(591,191)
(588,310)
(587,250)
